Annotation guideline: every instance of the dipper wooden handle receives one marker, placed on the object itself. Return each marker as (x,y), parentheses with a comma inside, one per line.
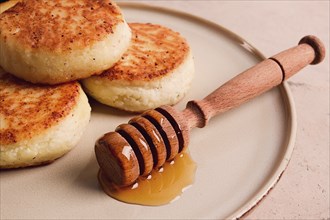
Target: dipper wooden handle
(158,135)
(256,80)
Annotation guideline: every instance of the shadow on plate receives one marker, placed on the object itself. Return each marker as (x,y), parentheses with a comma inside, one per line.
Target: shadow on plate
(100,108)
(88,175)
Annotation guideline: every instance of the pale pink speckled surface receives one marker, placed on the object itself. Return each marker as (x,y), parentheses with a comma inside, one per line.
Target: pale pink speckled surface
(303,190)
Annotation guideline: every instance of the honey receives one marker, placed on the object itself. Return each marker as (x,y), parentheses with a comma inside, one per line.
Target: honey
(161,187)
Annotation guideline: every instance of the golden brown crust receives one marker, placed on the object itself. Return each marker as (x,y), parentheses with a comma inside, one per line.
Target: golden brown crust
(154,52)
(7,4)
(60,25)
(27,110)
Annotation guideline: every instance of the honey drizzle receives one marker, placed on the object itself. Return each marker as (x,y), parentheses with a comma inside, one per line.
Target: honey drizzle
(161,187)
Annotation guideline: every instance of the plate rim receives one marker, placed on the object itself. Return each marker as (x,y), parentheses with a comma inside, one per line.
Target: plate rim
(285,92)
(286,95)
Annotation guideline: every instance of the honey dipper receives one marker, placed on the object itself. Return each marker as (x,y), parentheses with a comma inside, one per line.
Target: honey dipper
(158,135)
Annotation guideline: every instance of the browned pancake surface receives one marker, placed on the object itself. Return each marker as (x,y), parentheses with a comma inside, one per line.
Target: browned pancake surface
(154,52)
(60,25)
(27,110)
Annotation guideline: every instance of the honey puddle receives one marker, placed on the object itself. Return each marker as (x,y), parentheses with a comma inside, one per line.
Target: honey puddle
(160,187)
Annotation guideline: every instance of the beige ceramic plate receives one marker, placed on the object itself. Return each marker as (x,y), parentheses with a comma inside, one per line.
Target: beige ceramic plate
(240,154)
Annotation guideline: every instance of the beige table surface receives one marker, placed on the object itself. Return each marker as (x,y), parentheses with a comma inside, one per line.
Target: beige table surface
(303,190)
(271,26)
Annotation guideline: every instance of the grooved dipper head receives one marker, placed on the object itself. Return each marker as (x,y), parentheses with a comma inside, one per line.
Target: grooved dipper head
(146,142)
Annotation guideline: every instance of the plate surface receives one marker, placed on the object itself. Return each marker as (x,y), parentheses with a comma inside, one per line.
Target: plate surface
(240,155)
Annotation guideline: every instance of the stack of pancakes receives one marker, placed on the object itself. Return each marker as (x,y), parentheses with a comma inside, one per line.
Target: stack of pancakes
(49,47)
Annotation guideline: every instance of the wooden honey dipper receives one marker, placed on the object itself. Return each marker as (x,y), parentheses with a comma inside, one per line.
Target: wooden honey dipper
(158,135)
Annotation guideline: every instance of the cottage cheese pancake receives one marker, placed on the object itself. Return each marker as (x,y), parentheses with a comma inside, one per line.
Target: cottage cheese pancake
(157,69)
(39,124)
(56,41)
